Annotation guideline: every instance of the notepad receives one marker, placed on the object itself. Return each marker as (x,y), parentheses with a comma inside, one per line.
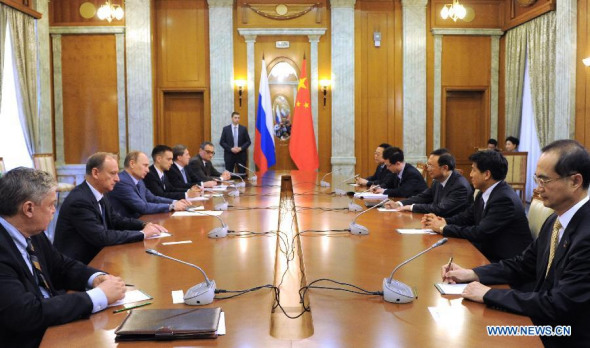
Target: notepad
(415,231)
(200,198)
(388,210)
(198,213)
(132,296)
(161,235)
(450,289)
(370,196)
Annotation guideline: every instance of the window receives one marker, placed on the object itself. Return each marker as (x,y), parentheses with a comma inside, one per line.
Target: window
(12,141)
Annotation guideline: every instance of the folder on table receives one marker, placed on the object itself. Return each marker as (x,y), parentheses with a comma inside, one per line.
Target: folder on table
(169,324)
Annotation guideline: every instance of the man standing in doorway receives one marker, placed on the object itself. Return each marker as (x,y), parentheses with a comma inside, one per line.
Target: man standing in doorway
(235,142)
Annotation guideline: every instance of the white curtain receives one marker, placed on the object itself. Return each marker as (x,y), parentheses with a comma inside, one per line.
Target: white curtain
(529,141)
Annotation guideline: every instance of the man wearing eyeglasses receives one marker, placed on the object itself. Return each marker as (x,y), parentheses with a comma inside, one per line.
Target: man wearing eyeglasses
(557,261)
(495,223)
(449,194)
(203,168)
(381,172)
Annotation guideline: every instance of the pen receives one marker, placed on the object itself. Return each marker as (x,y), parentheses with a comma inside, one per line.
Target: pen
(449,265)
(132,307)
(129,285)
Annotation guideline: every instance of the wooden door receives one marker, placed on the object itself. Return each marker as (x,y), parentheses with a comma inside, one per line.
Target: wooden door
(464,124)
(182,120)
(282,93)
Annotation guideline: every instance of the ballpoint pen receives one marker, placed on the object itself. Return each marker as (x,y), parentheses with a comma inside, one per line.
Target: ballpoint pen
(132,307)
(449,265)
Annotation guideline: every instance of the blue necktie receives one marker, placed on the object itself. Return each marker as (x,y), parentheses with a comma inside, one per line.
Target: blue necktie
(184,175)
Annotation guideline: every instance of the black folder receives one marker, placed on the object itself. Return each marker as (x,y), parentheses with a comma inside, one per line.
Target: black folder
(169,324)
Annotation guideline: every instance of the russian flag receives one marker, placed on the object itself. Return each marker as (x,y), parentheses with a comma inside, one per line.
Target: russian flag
(264,143)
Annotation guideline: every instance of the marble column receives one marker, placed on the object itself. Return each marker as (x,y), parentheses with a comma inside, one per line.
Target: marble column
(313,41)
(58,100)
(437,93)
(140,112)
(221,69)
(121,100)
(494,87)
(251,70)
(342,30)
(414,76)
(44,81)
(565,68)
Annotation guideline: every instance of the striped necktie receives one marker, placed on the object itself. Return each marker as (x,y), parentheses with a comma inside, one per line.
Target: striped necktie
(554,241)
(38,272)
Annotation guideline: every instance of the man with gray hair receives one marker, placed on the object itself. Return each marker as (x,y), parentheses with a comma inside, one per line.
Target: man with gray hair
(87,222)
(34,275)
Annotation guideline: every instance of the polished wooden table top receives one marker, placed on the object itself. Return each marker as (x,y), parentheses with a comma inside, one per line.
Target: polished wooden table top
(336,319)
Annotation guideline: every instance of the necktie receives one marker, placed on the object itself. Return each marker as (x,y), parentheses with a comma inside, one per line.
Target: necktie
(162,180)
(183,172)
(103,212)
(554,240)
(38,272)
(235,136)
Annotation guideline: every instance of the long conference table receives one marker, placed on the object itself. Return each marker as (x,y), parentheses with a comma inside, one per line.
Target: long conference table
(294,257)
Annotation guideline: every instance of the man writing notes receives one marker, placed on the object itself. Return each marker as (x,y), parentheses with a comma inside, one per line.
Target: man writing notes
(87,222)
(381,171)
(449,194)
(557,261)
(203,168)
(235,142)
(406,180)
(34,275)
(131,198)
(496,223)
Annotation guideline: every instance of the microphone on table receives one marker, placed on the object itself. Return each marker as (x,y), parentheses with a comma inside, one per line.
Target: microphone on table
(325,183)
(223,205)
(398,292)
(352,206)
(252,178)
(200,294)
(217,232)
(240,184)
(360,229)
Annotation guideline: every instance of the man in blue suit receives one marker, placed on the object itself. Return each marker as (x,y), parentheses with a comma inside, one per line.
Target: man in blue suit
(131,198)
(235,142)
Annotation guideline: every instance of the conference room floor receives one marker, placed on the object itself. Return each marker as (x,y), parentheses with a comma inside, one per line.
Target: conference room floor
(294,257)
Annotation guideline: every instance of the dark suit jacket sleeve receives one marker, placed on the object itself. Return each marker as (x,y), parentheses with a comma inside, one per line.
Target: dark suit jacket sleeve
(83,215)
(22,310)
(153,184)
(454,198)
(226,141)
(500,211)
(214,171)
(246,144)
(175,177)
(198,170)
(411,184)
(374,177)
(126,194)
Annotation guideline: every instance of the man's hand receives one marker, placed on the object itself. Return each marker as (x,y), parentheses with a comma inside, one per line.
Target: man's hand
(113,287)
(152,229)
(211,183)
(475,291)
(377,189)
(225,175)
(361,181)
(435,223)
(181,204)
(194,191)
(236,149)
(393,205)
(457,274)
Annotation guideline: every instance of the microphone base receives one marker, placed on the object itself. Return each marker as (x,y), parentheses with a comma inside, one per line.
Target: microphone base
(358,229)
(339,192)
(253,178)
(240,184)
(397,292)
(221,206)
(324,183)
(354,207)
(218,232)
(234,193)
(200,294)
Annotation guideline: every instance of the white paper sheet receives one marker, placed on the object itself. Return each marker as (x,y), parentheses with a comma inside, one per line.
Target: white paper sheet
(130,297)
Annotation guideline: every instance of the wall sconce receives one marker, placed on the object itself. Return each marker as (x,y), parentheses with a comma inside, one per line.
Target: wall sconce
(325,84)
(109,11)
(586,61)
(240,84)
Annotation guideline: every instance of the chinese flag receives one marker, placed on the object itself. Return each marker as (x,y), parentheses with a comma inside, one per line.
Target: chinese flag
(302,142)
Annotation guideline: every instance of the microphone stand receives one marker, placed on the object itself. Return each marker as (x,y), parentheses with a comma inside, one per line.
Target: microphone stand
(360,229)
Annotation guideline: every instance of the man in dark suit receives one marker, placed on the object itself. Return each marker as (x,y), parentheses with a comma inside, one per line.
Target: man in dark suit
(406,180)
(381,171)
(203,168)
(87,222)
(557,261)
(157,181)
(131,198)
(180,173)
(235,142)
(496,223)
(34,275)
(449,194)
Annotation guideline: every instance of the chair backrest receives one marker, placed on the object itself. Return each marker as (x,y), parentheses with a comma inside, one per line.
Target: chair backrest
(421,166)
(538,213)
(2,167)
(45,162)
(516,176)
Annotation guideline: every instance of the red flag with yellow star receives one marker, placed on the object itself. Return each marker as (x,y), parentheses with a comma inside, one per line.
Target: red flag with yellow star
(302,144)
